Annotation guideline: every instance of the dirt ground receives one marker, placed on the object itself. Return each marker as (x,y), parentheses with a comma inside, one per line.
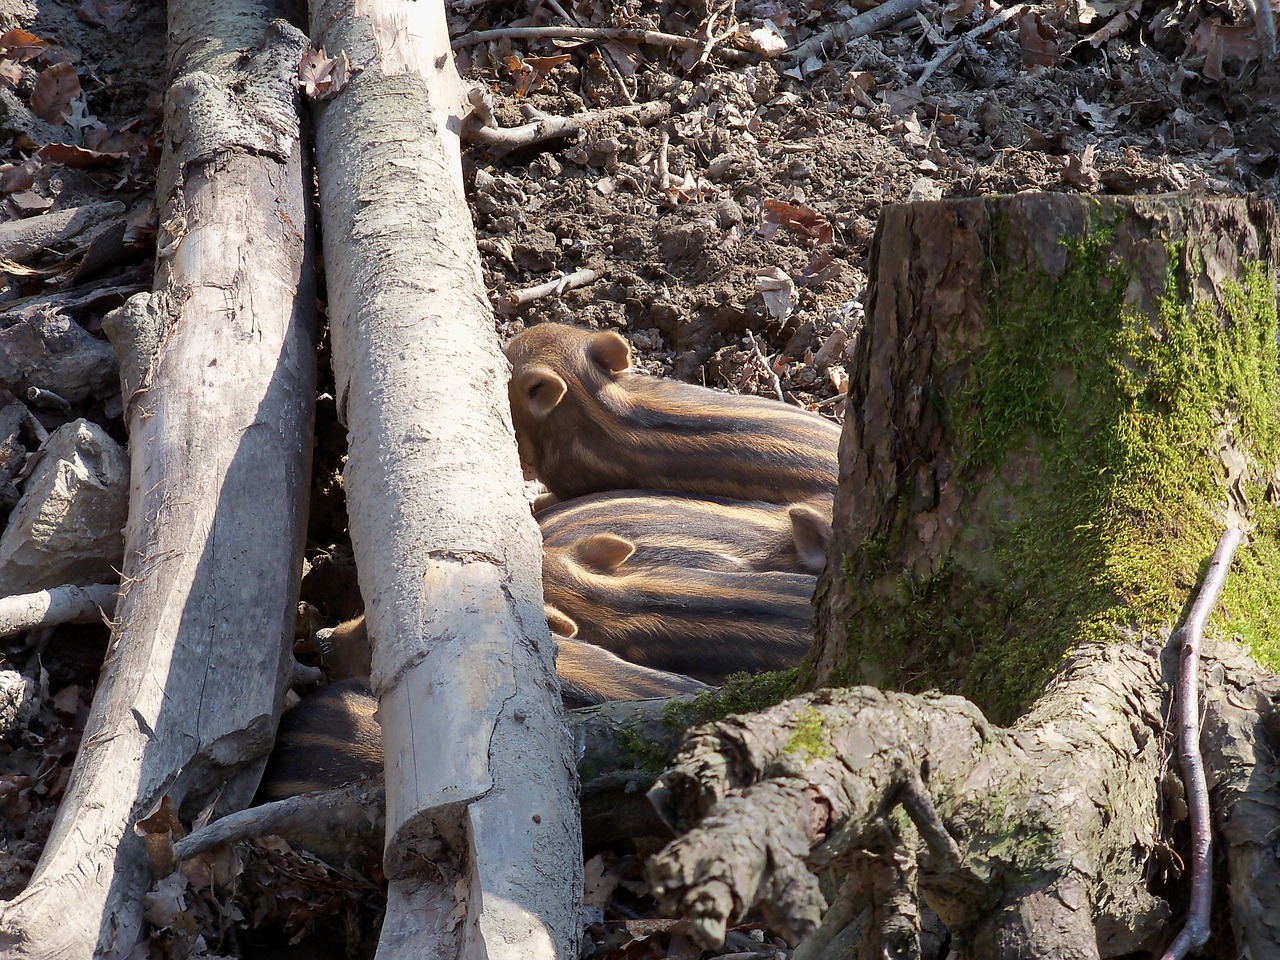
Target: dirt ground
(728,242)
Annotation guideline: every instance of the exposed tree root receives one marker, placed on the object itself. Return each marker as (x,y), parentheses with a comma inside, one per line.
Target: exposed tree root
(1032,841)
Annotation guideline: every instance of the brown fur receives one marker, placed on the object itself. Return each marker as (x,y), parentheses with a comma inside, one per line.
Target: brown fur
(333,737)
(330,738)
(588,676)
(701,623)
(586,422)
(702,532)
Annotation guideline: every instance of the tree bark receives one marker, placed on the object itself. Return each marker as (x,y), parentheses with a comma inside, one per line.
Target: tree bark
(481,814)
(1056,407)
(1059,403)
(218,374)
(1034,841)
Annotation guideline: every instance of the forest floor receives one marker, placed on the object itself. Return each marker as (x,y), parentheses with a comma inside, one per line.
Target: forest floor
(728,242)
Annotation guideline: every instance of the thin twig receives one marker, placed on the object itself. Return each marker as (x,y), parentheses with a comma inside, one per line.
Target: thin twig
(1196,932)
(979,31)
(518,298)
(766,366)
(634,34)
(877,18)
(661,169)
(505,139)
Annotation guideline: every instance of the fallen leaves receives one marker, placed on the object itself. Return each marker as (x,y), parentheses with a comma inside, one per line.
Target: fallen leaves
(55,88)
(530,73)
(798,218)
(322,77)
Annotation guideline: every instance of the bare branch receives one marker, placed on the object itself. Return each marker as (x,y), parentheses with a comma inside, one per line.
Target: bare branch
(66,604)
(1196,933)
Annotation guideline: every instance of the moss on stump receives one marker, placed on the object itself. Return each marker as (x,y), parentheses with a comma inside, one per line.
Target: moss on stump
(1056,406)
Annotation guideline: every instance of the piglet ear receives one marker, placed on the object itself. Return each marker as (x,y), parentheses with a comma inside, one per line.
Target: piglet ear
(561,624)
(539,389)
(812,536)
(603,552)
(609,351)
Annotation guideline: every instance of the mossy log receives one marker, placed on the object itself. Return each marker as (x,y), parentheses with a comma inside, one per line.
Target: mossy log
(1056,407)
(1057,404)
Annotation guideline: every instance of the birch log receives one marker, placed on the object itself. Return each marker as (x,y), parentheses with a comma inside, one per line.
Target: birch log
(482,846)
(219,386)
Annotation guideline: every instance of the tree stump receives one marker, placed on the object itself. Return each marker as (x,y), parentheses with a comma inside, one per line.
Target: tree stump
(1055,408)
(1057,404)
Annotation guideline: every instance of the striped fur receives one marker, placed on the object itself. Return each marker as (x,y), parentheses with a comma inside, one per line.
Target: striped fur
(333,737)
(586,422)
(705,624)
(587,676)
(711,533)
(330,738)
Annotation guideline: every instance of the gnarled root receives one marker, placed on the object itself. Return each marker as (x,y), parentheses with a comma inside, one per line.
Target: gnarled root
(1031,841)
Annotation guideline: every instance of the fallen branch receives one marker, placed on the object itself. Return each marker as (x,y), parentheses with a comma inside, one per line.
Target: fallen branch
(65,604)
(505,139)
(336,825)
(652,37)
(618,746)
(21,239)
(512,301)
(979,31)
(765,366)
(1196,932)
(885,15)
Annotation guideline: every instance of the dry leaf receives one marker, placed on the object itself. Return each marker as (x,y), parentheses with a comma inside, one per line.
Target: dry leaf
(1039,41)
(859,84)
(10,73)
(598,883)
(766,40)
(79,158)
(778,292)
(1220,42)
(21,45)
(19,176)
(797,218)
(104,13)
(55,88)
(1113,27)
(67,700)
(166,902)
(1079,171)
(530,73)
(321,77)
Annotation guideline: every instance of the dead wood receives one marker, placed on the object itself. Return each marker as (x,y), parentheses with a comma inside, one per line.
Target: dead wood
(620,747)
(1027,842)
(481,818)
(219,424)
(23,239)
(65,604)
(481,127)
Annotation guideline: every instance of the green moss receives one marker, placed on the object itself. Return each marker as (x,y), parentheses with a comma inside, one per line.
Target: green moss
(741,693)
(809,737)
(638,753)
(1087,439)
